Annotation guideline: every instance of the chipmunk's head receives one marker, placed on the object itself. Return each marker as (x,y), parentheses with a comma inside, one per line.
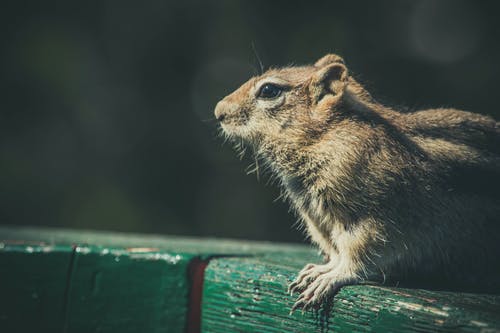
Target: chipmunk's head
(284,103)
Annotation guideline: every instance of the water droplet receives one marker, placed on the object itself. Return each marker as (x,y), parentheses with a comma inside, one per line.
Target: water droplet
(236,313)
(117,259)
(84,250)
(47,249)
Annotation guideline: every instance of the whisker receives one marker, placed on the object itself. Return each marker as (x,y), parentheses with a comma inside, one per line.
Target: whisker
(258,58)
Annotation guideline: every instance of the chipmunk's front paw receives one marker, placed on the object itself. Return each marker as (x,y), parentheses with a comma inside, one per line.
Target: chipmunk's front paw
(321,288)
(309,273)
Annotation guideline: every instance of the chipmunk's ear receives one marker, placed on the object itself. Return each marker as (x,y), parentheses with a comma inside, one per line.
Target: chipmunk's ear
(329,59)
(330,77)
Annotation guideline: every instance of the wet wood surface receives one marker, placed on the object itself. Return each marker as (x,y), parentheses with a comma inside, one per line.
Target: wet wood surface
(54,280)
(249,294)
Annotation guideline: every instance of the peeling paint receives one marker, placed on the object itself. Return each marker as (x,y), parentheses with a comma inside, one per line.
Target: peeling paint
(478,323)
(47,249)
(142,249)
(420,307)
(171,259)
(401,293)
(82,250)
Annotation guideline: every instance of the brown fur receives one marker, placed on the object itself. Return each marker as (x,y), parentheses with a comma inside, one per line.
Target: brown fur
(386,195)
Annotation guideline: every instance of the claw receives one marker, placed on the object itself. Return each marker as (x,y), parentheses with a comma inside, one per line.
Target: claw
(295,306)
(291,287)
(297,286)
(302,302)
(299,304)
(303,278)
(318,291)
(316,283)
(303,273)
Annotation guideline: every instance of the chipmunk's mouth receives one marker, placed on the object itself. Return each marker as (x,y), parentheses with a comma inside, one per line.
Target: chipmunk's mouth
(236,120)
(235,126)
(232,127)
(231,117)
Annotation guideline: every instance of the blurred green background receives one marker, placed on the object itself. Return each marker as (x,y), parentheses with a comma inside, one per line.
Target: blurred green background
(106,114)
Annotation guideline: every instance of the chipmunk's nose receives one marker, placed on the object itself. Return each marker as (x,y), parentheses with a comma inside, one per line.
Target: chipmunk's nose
(223,109)
(219,113)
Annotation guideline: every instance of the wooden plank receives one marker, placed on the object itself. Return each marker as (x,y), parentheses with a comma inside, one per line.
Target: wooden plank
(108,282)
(33,278)
(90,288)
(128,290)
(249,294)
(77,281)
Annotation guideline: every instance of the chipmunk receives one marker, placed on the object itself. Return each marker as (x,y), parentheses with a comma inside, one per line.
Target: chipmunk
(386,195)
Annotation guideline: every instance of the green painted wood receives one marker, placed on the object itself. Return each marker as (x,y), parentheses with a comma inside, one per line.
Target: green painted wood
(32,286)
(127,290)
(68,285)
(249,294)
(56,280)
(102,281)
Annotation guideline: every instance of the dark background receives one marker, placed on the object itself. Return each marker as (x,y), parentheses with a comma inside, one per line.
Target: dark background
(106,106)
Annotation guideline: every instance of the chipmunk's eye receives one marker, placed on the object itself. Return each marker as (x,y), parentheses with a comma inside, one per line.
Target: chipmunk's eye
(269,91)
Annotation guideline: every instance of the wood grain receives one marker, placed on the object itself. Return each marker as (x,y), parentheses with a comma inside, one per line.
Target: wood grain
(249,294)
(54,280)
